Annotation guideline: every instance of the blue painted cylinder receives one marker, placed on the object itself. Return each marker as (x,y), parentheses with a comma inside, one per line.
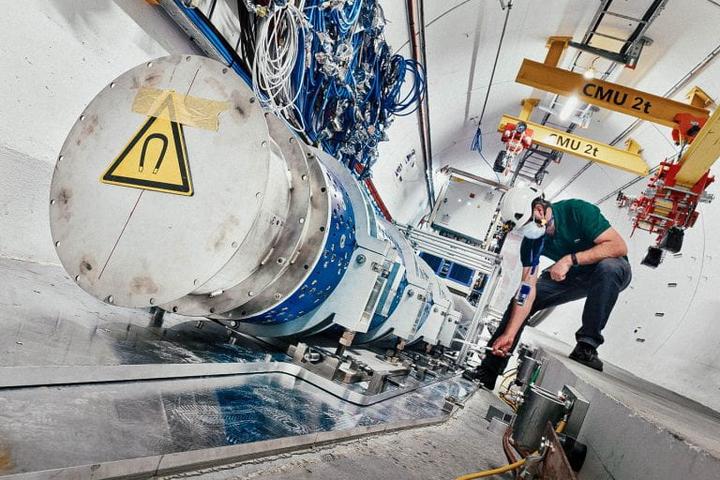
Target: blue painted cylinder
(337,249)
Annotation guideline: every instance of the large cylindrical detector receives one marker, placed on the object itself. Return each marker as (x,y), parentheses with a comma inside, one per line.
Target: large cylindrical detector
(174,189)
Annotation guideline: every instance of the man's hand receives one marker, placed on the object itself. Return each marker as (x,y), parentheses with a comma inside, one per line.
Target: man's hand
(560,269)
(503,344)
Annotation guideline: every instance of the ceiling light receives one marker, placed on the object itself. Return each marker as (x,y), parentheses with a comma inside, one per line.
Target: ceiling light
(590,72)
(569,108)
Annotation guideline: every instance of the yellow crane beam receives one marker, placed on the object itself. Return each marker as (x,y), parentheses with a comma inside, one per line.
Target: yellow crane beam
(556,48)
(702,152)
(606,94)
(628,160)
(699,98)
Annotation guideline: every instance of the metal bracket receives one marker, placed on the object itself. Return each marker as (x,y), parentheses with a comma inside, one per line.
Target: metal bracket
(628,59)
(555,465)
(578,413)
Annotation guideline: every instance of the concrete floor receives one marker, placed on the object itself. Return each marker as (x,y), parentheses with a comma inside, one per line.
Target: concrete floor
(461,445)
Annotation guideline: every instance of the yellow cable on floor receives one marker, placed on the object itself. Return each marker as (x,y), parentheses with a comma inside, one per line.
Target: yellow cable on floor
(507,468)
(494,471)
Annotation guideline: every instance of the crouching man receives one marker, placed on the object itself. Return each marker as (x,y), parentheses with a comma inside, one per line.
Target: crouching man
(590,263)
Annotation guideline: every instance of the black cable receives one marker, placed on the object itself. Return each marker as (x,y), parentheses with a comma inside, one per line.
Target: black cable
(491,167)
(497,57)
(627,185)
(426,101)
(246,37)
(211,10)
(478,133)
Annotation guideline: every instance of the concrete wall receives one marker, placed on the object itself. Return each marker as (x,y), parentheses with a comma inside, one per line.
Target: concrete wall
(54,57)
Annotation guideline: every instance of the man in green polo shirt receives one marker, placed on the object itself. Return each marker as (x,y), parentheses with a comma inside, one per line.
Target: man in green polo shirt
(590,262)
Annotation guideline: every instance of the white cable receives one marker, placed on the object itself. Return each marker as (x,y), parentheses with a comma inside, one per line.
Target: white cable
(277,52)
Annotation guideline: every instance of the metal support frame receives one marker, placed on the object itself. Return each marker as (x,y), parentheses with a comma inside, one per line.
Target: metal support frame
(430,331)
(613,56)
(629,53)
(402,322)
(476,324)
(476,258)
(481,260)
(702,153)
(628,160)
(46,376)
(556,48)
(605,94)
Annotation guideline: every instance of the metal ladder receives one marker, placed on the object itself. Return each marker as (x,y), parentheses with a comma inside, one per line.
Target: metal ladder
(533,165)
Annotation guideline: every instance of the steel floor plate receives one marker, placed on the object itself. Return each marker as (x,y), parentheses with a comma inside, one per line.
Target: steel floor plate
(55,427)
(48,321)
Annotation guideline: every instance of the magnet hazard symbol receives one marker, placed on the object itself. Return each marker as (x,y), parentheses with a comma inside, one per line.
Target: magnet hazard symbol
(155,158)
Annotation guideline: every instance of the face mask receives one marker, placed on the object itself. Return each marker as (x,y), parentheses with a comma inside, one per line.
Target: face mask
(533,231)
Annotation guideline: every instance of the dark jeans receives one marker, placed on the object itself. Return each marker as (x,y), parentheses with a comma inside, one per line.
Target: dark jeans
(600,284)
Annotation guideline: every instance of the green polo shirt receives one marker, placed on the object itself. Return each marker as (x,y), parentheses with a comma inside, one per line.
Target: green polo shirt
(577,225)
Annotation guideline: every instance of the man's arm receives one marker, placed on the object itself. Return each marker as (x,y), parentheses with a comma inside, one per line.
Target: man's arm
(608,244)
(519,314)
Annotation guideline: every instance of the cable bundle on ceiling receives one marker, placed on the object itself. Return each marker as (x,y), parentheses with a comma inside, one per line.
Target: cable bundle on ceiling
(323,66)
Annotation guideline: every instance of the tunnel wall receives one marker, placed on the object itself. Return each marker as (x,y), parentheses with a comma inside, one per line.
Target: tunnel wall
(56,56)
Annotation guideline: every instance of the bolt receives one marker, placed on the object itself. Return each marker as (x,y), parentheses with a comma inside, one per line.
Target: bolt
(360,259)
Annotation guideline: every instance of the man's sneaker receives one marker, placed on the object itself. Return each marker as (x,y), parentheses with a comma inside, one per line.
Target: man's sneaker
(488,381)
(486,377)
(587,355)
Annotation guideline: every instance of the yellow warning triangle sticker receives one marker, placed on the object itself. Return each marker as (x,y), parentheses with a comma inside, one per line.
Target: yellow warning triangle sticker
(155,158)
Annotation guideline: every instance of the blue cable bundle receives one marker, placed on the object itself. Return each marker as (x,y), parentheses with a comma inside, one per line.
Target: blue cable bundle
(476,144)
(339,88)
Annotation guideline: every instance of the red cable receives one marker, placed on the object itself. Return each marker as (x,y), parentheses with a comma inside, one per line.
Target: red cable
(375,194)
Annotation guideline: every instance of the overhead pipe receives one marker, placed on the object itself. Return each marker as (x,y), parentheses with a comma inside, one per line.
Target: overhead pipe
(426,102)
(423,110)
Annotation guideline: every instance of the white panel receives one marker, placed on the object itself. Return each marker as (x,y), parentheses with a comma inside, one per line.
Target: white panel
(467,208)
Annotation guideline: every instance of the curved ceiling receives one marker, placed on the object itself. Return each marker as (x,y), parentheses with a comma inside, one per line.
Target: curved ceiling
(462,39)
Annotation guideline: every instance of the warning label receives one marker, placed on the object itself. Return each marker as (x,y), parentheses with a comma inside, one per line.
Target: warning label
(155,158)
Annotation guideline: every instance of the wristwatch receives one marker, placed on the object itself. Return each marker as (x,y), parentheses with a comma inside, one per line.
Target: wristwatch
(574,259)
